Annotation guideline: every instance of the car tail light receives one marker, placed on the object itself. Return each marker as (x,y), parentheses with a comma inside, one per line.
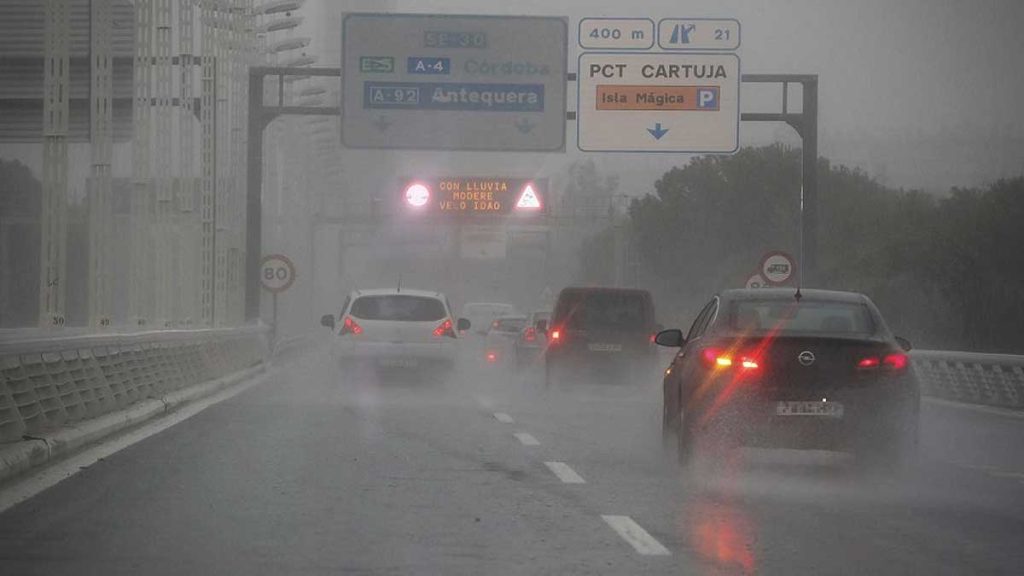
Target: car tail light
(869,362)
(530,334)
(445,329)
(651,338)
(492,356)
(719,359)
(555,336)
(350,326)
(895,361)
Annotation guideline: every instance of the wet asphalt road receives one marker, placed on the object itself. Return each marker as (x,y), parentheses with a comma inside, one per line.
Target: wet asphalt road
(313,473)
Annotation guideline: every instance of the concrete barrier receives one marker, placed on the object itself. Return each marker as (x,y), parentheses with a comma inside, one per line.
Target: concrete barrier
(49,383)
(971,378)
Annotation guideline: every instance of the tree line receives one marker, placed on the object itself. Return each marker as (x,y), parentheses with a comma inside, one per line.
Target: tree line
(947,270)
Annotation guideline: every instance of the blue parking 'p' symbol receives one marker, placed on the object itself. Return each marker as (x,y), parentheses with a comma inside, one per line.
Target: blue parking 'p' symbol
(707,98)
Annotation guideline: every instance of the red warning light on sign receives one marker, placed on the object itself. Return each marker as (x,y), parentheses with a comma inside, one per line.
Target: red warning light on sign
(417,195)
(528,200)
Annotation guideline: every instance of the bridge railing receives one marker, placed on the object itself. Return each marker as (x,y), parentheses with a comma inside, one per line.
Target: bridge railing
(47,383)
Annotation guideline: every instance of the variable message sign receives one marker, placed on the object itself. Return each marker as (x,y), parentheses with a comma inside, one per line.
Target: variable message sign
(463,196)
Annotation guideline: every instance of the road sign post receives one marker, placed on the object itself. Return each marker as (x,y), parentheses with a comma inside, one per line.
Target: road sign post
(277,274)
(436,82)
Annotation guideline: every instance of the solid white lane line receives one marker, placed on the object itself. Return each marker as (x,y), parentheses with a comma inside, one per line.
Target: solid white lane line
(565,473)
(35,482)
(636,536)
(993,410)
(504,418)
(527,439)
(992,471)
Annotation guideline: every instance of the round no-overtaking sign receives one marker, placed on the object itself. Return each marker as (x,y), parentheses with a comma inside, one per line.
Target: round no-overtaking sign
(777,267)
(277,273)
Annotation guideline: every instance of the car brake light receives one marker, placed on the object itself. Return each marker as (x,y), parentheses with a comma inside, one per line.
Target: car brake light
(869,362)
(492,356)
(895,361)
(530,334)
(651,338)
(445,329)
(718,358)
(350,326)
(556,336)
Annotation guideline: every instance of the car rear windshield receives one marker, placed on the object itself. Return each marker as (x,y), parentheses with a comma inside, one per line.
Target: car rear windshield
(508,324)
(605,310)
(813,317)
(398,307)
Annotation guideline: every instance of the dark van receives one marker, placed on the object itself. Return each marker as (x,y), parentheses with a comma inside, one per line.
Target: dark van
(600,334)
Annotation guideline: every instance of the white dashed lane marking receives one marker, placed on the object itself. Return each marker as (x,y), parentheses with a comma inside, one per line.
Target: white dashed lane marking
(503,418)
(527,439)
(636,536)
(565,473)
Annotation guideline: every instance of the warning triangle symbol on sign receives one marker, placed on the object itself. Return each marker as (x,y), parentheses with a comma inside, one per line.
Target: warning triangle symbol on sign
(528,199)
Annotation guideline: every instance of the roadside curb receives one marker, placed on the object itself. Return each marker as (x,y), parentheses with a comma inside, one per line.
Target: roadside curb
(36,451)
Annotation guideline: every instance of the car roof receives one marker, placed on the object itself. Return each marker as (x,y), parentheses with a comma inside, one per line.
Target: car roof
(609,289)
(789,293)
(511,317)
(396,291)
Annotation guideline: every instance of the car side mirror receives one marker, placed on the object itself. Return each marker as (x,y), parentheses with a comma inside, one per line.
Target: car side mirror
(327,320)
(672,338)
(463,324)
(904,343)
(542,326)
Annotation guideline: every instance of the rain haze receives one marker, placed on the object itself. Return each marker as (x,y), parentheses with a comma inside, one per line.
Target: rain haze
(468,287)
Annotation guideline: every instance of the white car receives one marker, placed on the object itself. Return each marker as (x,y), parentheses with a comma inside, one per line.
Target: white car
(397,328)
(481,314)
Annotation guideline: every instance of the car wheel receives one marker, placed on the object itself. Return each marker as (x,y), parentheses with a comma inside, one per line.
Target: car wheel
(685,444)
(896,450)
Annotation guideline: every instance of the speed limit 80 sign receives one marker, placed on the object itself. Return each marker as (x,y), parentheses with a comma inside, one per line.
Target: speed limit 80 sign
(277,273)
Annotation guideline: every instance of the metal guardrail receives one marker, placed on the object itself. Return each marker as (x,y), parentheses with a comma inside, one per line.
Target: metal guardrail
(972,378)
(46,383)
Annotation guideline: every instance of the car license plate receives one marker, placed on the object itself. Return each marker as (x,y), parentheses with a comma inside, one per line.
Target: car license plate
(598,347)
(825,409)
(398,362)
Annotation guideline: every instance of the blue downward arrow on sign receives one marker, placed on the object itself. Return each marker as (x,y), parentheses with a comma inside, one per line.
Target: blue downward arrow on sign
(658,131)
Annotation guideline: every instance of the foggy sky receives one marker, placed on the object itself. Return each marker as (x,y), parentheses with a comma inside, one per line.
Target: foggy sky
(920,93)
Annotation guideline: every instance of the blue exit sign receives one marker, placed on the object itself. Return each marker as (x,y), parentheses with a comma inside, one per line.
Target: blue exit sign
(427,65)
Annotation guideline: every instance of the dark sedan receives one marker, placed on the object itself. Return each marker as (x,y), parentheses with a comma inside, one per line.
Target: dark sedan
(779,368)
